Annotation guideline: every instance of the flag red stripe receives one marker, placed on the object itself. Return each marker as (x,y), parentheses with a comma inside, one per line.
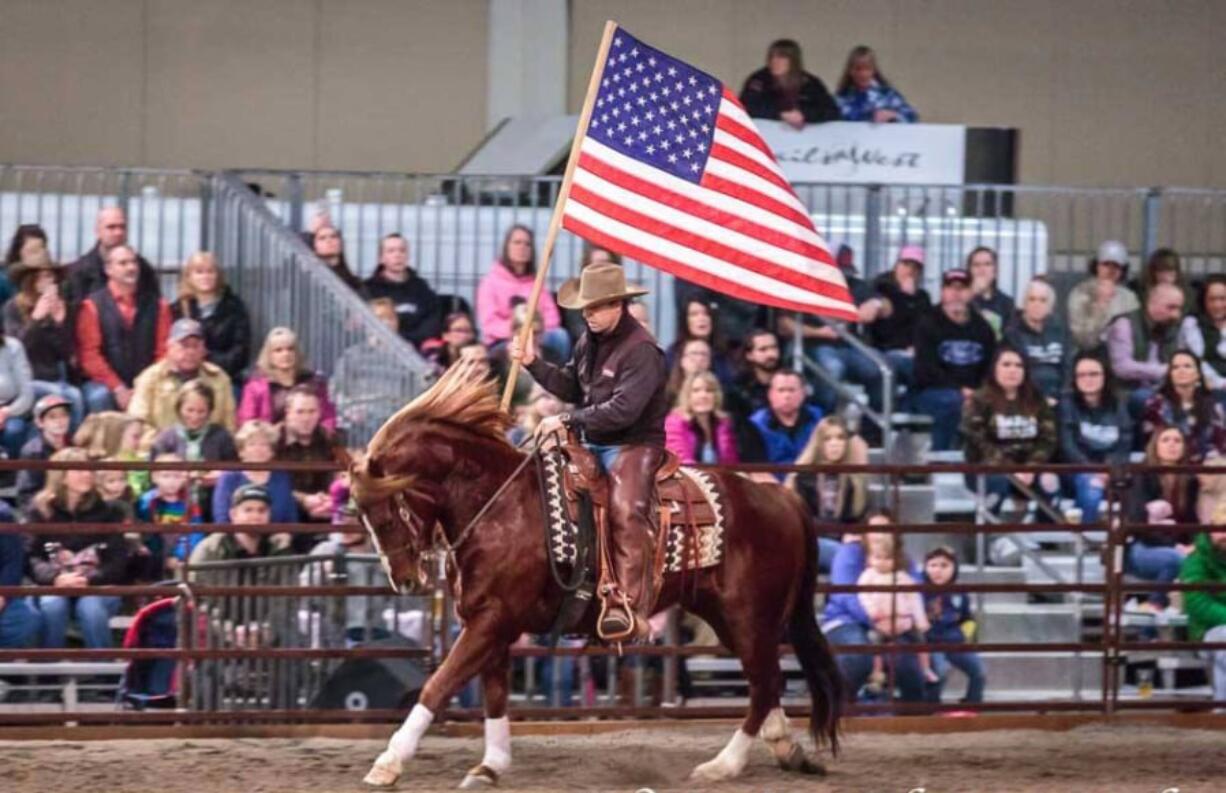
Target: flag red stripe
(733,98)
(659,261)
(710,247)
(741,133)
(735,158)
(749,196)
(705,211)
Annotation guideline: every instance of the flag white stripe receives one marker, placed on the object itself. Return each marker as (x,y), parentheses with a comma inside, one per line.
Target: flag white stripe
(752,152)
(716,199)
(737,115)
(757,184)
(714,232)
(697,260)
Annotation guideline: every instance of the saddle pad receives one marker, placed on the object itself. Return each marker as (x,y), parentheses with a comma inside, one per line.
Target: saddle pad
(708,542)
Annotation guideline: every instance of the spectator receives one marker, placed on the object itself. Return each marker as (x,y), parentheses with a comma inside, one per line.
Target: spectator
(903,302)
(783,91)
(864,94)
(697,429)
(1100,298)
(1158,498)
(52,417)
(734,319)
(638,310)
(1095,427)
(894,615)
(699,322)
(16,394)
(30,240)
(172,503)
(510,281)
(695,357)
(76,560)
(195,438)
(760,362)
(1008,421)
(41,319)
(952,623)
(1141,342)
(1162,267)
(249,506)
(256,441)
(20,622)
(414,302)
(362,377)
(786,422)
(205,297)
(89,274)
(992,304)
(120,332)
(330,249)
(1204,333)
(1206,609)
(844,620)
(833,498)
(156,390)
(1038,336)
(111,434)
(591,254)
(954,347)
(457,332)
(541,405)
(479,355)
(302,438)
(280,368)
(114,487)
(501,360)
(1184,402)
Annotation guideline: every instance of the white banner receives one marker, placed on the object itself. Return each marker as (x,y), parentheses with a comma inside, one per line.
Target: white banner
(844,151)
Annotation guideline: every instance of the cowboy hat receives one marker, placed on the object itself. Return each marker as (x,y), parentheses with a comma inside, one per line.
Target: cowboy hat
(599,283)
(34,262)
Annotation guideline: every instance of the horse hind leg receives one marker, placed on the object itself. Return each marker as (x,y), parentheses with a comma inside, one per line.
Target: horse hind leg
(787,751)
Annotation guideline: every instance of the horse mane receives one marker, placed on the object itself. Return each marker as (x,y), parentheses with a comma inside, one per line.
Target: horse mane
(463,398)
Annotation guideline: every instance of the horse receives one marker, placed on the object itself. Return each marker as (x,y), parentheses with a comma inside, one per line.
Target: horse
(440,474)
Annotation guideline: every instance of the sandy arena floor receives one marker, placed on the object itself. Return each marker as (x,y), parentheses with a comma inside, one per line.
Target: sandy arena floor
(1116,759)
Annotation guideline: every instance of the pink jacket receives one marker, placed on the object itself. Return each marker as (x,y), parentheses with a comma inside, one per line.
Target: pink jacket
(494,296)
(257,401)
(680,437)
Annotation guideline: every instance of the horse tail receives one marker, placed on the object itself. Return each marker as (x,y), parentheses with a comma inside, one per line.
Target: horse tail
(822,673)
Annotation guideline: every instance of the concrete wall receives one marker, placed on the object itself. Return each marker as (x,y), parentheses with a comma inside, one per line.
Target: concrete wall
(1106,92)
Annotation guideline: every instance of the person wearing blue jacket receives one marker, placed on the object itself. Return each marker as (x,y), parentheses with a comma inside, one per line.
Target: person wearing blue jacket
(20,622)
(844,621)
(787,421)
(949,613)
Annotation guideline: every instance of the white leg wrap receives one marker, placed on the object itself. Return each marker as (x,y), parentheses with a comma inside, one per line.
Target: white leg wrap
(729,763)
(497,745)
(776,727)
(403,744)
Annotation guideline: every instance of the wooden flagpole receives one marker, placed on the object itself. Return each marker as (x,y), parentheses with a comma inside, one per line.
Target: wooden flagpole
(555,223)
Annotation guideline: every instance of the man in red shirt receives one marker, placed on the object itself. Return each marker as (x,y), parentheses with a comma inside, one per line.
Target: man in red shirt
(120,331)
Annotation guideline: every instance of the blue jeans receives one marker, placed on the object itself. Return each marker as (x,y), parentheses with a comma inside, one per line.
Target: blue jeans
(93,614)
(16,430)
(826,549)
(969,663)
(1137,398)
(1087,495)
(903,366)
(564,666)
(607,454)
(857,668)
(20,624)
(945,407)
(1159,563)
(1217,634)
(846,364)
(997,487)
(70,392)
(97,397)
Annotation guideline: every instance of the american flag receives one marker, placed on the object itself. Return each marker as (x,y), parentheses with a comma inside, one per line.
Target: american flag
(672,172)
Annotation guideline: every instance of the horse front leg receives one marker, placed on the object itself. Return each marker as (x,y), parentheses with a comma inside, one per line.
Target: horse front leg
(474,648)
(495,684)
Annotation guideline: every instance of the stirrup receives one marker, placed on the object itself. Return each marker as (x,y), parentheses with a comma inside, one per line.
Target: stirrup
(635,626)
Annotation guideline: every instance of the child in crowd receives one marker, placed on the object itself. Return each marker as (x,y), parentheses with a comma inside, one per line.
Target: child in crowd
(170,503)
(111,434)
(894,614)
(52,416)
(949,614)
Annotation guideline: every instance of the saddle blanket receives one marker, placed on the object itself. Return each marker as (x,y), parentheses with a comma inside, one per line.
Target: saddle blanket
(703,548)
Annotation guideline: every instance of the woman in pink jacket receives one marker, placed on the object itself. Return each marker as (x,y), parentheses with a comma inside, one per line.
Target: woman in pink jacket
(280,368)
(697,430)
(508,283)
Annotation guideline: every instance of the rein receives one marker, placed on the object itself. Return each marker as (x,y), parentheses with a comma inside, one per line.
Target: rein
(450,547)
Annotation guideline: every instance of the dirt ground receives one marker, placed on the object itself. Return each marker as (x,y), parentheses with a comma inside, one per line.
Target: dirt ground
(1093,758)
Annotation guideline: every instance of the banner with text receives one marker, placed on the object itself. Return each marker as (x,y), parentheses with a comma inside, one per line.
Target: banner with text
(844,151)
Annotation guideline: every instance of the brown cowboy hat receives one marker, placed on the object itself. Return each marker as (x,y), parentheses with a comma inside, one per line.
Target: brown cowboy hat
(600,283)
(31,263)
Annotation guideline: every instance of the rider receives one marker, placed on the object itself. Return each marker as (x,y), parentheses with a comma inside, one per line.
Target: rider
(616,376)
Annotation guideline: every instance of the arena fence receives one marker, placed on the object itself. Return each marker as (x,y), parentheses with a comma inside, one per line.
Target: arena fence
(260,639)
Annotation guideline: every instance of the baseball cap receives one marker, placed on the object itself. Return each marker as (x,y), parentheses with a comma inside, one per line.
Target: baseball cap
(250,492)
(912,253)
(185,328)
(49,403)
(1113,251)
(956,275)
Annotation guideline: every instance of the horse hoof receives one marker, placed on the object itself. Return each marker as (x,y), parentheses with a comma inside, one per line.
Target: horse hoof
(713,771)
(383,773)
(480,778)
(796,760)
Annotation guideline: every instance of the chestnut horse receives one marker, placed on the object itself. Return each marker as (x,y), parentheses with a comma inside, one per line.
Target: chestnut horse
(434,466)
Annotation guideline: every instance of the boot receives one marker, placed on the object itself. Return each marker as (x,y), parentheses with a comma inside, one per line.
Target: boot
(630,592)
